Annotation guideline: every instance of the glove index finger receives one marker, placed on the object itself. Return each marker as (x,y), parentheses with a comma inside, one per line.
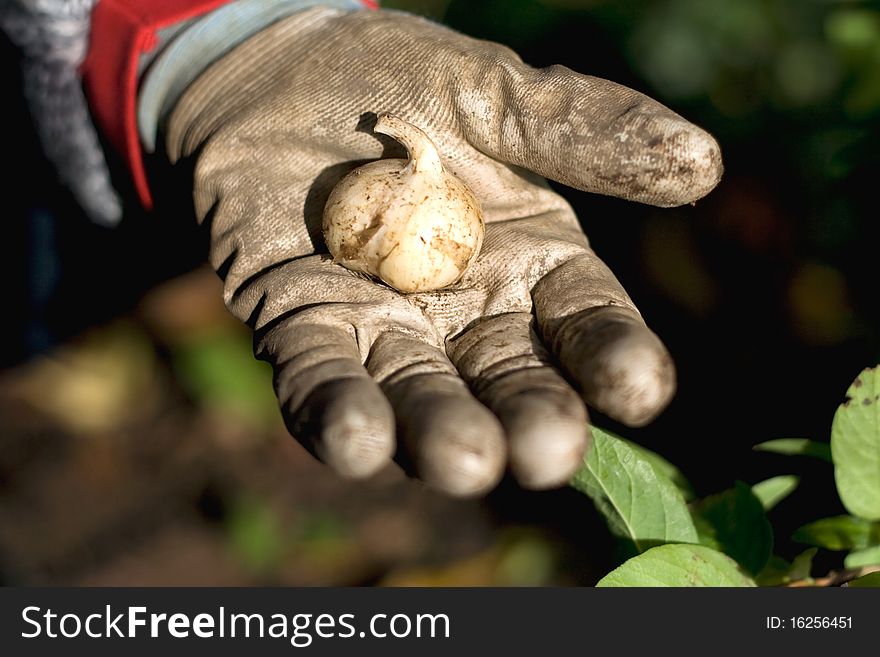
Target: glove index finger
(586,132)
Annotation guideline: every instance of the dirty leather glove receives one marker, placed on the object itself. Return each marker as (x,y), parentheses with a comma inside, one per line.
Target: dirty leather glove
(462,381)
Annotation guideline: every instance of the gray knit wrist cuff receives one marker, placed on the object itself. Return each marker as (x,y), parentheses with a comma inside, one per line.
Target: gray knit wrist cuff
(53,36)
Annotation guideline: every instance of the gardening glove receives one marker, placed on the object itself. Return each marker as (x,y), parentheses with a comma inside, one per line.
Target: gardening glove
(464,380)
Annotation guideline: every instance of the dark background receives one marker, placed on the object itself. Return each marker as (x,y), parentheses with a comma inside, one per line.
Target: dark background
(140,440)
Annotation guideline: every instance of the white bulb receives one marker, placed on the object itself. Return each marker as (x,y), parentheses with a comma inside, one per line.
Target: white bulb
(409,222)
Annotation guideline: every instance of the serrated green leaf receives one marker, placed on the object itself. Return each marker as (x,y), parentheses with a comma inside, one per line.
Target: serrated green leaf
(855,446)
(778,571)
(839,533)
(860,558)
(736,522)
(679,566)
(772,491)
(796,447)
(664,468)
(638,503)
(872,581)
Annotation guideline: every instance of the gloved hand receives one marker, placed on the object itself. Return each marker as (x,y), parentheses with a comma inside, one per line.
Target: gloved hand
(468,374)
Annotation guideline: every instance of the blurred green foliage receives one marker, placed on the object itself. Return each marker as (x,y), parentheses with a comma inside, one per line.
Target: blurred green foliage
(219,371)
(255,534)
(264,538)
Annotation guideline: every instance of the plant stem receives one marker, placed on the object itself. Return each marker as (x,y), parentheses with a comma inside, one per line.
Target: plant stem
(422,152)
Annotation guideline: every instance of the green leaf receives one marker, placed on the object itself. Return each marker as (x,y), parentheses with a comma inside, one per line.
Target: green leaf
(872,580)
(664,468)
(775,572)
(778,571)
(638,503)
(802,565)
(839,533)
(772,491)
(678,565)
(706,533)
(796,447)
(855,446)
(735,521)
(865,557)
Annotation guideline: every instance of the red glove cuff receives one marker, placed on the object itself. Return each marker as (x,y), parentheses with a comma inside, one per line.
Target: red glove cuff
(122,30)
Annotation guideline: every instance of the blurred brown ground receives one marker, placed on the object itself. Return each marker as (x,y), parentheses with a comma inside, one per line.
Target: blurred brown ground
(112,473)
